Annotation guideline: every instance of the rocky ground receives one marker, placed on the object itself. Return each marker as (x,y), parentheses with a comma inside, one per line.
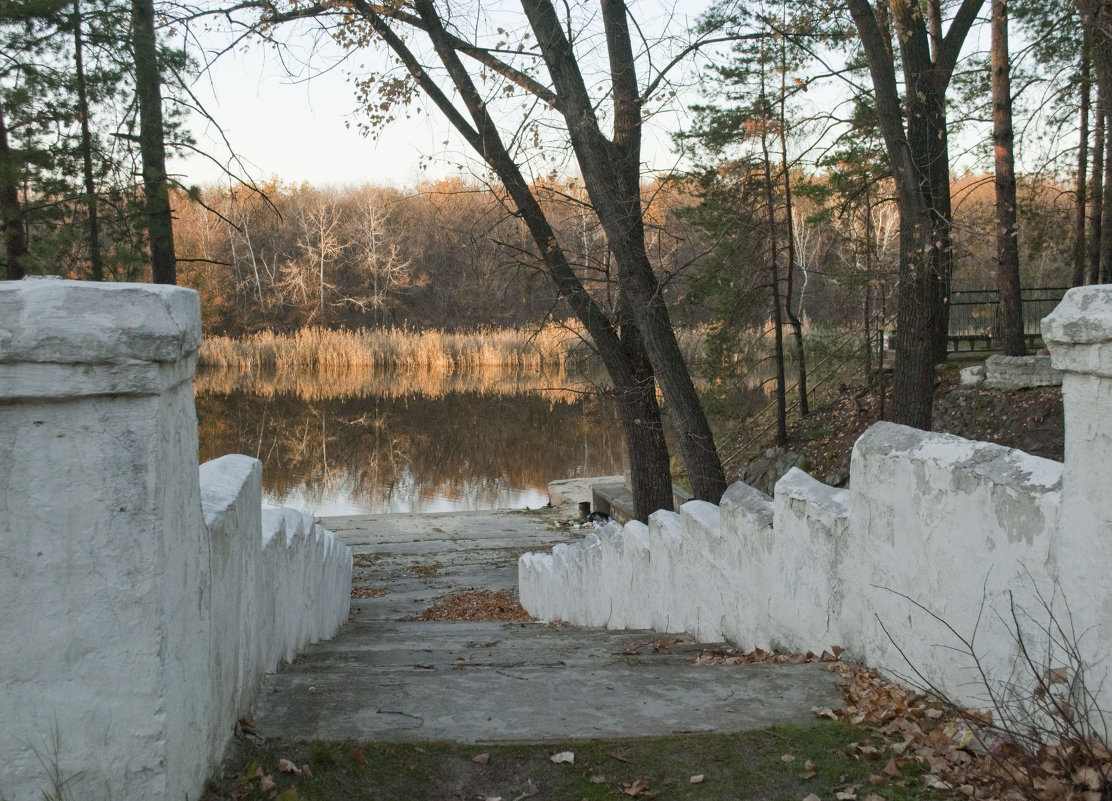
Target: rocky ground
(821,443)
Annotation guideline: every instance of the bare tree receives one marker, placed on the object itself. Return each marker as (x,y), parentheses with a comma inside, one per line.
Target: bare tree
(637,343)
(918,153)
(377,258)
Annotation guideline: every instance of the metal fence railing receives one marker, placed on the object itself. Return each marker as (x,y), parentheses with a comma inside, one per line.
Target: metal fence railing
(975,317)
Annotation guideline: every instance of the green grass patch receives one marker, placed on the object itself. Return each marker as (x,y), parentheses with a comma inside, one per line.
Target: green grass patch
(770,765)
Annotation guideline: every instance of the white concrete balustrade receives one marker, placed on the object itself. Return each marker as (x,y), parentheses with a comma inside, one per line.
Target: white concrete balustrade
(143,598)
(934,531)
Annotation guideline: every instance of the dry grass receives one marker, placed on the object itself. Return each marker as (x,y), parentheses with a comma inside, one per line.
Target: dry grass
(335,352)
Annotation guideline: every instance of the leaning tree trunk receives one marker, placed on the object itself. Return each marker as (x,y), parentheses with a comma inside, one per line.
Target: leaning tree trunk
(11,213)
(624,356)
(641,421)
(1007,242)
(152,144)
(611,171)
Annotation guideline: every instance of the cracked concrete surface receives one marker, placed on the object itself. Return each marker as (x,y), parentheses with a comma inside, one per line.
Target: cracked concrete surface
(390,676)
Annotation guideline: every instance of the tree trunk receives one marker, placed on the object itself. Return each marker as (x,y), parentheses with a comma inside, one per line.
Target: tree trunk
(11,213)
(868,287)
(641,421)
(1077,277)
(919,158)
(942,215)
(1105,248)
(624,355)
(611,174)
(1096,190)
(96,266)
(916,303)
(1007,242)
(152,145)
(789,211)
(774,282)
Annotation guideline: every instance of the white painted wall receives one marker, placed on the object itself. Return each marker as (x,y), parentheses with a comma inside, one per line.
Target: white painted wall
(932,525)
(138,592)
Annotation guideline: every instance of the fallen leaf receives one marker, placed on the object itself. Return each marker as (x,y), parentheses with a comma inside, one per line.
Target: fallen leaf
(306,772)
(618,757)
(266,783)
(288,795)
(490,798)
(1088,777)
(357,757)
(597,778)
(808,770)
(812,797)
(787,758)
(824,712)
(482,758)
(639,787)
(563,756)
(285,766)
(697,778)
(849,794)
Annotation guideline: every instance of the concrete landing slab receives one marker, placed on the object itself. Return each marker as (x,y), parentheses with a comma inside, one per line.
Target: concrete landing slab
(389,676)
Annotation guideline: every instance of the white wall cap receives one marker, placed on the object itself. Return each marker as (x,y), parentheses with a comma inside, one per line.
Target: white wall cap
(800,485)
(1079,331)
(83,322)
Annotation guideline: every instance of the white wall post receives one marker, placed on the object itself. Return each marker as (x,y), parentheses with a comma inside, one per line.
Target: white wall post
(1079,335)
(103,552)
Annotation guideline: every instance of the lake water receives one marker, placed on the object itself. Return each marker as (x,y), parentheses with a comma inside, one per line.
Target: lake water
(365,443)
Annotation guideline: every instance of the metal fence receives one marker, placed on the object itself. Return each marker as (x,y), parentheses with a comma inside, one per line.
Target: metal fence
(975,315)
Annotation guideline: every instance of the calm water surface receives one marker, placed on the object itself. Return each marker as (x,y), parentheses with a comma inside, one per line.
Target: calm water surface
(363,444)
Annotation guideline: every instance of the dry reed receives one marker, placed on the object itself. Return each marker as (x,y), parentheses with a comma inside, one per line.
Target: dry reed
(321,350)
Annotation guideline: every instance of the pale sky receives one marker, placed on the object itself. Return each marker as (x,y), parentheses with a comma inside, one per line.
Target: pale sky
(298,131)
(305,130)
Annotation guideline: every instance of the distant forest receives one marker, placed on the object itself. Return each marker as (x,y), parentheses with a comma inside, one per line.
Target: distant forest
(451,254)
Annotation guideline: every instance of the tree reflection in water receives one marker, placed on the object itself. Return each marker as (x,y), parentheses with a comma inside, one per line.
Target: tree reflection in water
(353,443)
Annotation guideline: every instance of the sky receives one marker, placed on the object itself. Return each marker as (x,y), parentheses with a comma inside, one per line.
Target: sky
(304,128)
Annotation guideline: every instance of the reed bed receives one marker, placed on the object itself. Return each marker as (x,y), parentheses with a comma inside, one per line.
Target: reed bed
(325,351)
